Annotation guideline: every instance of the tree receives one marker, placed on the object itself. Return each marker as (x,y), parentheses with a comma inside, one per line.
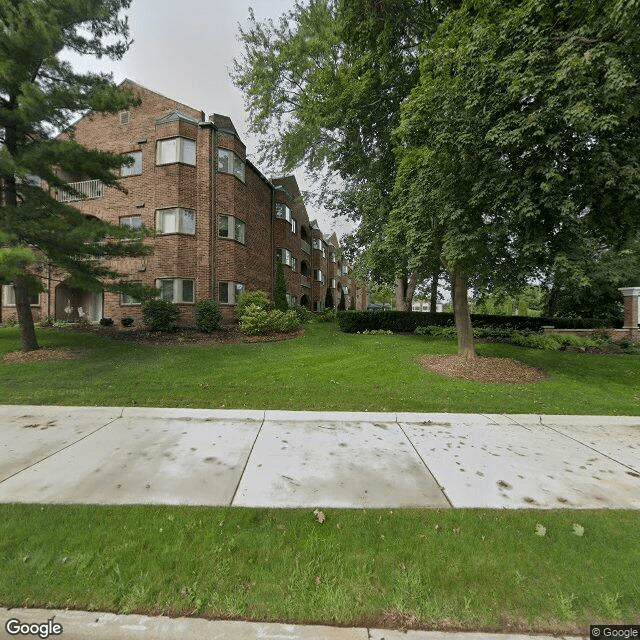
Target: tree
(328,299)
(324,88)
(342,305)
(280,290)
(520,140)
(39,95)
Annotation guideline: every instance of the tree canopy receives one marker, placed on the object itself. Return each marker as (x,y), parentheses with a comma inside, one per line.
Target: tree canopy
(40,95)
(522,137)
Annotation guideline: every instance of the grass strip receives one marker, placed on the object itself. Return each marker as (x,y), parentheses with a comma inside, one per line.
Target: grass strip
(324,370)
(412,568)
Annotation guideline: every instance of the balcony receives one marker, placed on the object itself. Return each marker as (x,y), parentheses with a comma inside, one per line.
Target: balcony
(90,190)
(304,281)
(305,246)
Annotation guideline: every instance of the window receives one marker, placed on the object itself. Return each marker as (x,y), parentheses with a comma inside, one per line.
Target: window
(131,221)
(9,297)
(318,275)
(345,290)
(229,162)
(345,270)
(127,300)
(176,150)
(286,257)
(175,289)
(333,256)
(294,264)
(291,300)
(230,227)
(136,168)
(176,220)
(319,245)
(229,292)
(333,283)
(284,213)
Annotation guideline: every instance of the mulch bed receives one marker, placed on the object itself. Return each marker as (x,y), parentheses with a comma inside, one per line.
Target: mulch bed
(226,334)
(480,369)
(41,355)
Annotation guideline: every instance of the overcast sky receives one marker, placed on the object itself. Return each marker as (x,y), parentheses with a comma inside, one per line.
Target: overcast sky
(185,50)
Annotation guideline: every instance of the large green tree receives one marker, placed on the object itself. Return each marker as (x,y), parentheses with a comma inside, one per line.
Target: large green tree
(324,87)
(521,139)
(39,96)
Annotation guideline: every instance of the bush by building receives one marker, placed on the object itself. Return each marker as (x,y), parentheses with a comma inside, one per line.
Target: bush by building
(208,316)
(160,315)
(248,298)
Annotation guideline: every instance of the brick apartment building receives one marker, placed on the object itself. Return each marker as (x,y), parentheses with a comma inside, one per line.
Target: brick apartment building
(219,223)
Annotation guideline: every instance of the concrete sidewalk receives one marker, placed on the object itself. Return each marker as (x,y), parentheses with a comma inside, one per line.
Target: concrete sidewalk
(82,625)
(317,459)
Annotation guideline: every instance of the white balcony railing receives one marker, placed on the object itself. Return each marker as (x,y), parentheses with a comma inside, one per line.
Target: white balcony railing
(90,190)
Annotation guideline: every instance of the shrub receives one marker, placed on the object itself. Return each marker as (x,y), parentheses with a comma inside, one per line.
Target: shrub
(408,321)
(47,321)
(328,315)
(283,322)
(375,332)
(208,316)
(127,321)
(304,315)
(342,304)
(11,322)
(160,315)
(255,320)
(106,322)
(248,298)
(280,289)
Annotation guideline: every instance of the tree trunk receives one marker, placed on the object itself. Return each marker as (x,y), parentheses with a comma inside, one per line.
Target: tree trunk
(25,318)
(411,289)
(405,288)
(401,285)
(433,298)
(462,315)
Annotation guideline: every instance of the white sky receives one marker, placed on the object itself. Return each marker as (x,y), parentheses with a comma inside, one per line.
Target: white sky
(185,50)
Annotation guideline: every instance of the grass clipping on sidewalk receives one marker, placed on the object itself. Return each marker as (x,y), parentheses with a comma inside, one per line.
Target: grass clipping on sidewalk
(492,570)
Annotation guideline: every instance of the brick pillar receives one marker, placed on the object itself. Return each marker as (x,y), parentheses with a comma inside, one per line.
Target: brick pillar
(631,311)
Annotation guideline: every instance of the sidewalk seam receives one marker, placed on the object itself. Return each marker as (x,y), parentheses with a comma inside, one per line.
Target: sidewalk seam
(246,462)
(444,493)
(71,444)
(584,444)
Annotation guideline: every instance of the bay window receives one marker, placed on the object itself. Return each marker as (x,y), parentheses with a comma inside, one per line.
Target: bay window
(176,290)
(173,150)
(229,292)
(176,220)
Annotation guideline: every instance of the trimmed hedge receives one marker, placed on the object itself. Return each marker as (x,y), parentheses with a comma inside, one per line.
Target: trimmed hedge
(408,321)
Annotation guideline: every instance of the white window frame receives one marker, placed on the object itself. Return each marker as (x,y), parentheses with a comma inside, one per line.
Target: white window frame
(234,291)
(291,300)
(128,301)
(9,296)
(183,145)
(333,283)
(319,272)
(132,226)
(180,214)
(235,164)
(135,169)
(178,289)
(233,225)
(286,257)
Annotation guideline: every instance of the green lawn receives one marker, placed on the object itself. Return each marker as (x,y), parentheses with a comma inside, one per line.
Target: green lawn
(467,569)
(324,370)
